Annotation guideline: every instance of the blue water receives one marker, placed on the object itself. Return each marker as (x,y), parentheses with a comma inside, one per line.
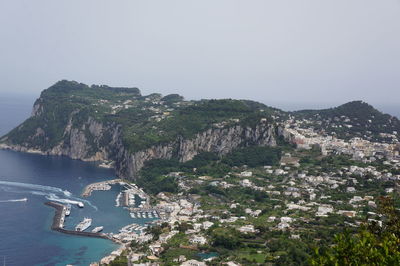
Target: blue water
(25,235)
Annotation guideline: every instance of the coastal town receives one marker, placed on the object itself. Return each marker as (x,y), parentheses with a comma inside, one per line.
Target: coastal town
(218,182)
(200,133)
(299,194)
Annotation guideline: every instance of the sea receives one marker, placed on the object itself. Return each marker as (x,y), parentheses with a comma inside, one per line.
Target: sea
(25,234)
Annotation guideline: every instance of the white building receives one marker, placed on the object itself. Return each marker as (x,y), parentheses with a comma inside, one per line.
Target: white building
(199,240)
(193,263)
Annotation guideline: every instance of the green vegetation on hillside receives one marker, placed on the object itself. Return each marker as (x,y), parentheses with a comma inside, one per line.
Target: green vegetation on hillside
(353,119)
(145,120)
(154,176)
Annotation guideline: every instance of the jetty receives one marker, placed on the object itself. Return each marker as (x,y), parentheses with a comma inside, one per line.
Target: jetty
(58,222)
(132,191)
(105,185)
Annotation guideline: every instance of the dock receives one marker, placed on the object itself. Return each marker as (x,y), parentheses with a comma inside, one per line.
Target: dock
(58,221)
(132,191)
(105,185)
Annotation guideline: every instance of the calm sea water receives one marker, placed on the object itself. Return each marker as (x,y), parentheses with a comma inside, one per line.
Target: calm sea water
(25,235)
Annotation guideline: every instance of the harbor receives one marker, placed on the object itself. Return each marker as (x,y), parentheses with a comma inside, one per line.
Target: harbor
(149,213)
(131,198)
(133,193)
(58,223)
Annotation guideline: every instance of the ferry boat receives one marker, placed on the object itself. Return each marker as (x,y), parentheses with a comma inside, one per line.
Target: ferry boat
(82,226)
(97,229)
(68,210)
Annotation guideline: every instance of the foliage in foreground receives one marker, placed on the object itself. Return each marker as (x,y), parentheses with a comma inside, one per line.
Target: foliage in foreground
(372,245)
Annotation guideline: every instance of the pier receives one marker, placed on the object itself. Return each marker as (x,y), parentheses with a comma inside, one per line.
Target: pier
(58,222)
(105,185)
(131,191)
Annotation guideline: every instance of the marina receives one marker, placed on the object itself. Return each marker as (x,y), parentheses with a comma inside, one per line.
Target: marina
(132,194)
(132,228)
(132,198)
(137,213)
(58,221)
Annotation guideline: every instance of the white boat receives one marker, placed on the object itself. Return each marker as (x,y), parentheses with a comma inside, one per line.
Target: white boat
(118,200)
(68,210)
(82,226)
(80,204)
(97,229)
(133,215)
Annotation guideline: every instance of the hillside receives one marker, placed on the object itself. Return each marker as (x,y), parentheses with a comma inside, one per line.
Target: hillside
(101,123)
(254,184)
(353,119)
(125,129)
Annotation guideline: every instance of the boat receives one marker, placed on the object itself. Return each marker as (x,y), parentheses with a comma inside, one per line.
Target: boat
(82,226)
(68,210)
(133,215)
(80,204)
(97,229)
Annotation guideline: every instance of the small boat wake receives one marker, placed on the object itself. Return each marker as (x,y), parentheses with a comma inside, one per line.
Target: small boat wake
(36,187)
(14,200)
(50,193)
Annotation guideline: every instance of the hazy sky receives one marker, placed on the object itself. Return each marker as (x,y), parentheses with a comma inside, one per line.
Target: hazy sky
(308,51)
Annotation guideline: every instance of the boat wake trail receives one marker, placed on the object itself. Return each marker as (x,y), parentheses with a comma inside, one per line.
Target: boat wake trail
(36,187)
(14,200)
(50,193)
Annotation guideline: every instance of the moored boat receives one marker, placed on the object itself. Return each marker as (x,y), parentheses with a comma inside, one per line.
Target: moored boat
(85,224)
(68,210)
(97,229)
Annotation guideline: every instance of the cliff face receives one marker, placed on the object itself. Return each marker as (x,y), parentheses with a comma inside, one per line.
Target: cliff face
(221,141)
(95,141)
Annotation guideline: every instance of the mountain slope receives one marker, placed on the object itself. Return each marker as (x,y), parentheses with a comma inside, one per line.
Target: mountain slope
(119,124)
(123,127)
(353,119)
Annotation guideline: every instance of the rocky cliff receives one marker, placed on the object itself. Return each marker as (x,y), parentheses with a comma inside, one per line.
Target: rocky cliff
(122,127)
(95,141)
(221,141)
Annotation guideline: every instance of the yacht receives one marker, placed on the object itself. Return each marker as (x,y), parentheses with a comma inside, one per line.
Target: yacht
(82,226)
(97,229)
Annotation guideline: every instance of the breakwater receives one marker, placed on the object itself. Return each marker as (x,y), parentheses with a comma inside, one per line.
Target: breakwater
(59,217)
(104,185)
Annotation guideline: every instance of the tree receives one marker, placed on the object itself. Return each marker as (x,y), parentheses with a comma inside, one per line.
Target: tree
(373,244)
